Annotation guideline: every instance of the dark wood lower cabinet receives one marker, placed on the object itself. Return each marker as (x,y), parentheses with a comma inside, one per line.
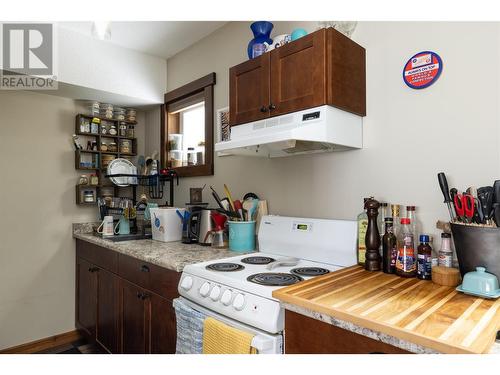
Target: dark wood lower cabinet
(162,325)
(304,335)
(134,319)
(120,315)
(86,296)
(107,310)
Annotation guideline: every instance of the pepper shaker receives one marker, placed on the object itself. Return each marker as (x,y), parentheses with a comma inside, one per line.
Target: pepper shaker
(372,239)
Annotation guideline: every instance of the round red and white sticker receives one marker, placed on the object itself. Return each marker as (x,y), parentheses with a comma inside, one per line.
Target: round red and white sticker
(422,70)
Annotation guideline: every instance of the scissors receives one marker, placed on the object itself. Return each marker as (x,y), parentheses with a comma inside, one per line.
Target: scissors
(464,207)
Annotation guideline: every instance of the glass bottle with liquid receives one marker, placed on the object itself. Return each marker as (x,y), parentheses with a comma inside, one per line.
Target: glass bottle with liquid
(424,258)
(395,212)
(411,214)
(362,220)
(389,247)
(406,261)
(445,254)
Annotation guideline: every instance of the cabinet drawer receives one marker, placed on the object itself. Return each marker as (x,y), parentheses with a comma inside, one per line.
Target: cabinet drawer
(149,276)
(100,256)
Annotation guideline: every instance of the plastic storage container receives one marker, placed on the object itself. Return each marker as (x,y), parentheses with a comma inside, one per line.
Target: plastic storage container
(165,224)
(241,236)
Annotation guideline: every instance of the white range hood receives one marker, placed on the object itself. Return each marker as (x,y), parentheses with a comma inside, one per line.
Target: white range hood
(319,129)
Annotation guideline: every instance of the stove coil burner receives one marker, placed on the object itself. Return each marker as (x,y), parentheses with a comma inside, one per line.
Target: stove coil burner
(274,279)
(225,267)
(257,260)
(309,271)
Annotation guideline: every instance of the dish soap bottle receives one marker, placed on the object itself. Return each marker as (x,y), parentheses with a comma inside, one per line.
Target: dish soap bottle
(362,220)
(406,262)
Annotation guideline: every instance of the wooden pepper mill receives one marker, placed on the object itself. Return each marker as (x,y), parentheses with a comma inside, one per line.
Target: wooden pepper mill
(372,239)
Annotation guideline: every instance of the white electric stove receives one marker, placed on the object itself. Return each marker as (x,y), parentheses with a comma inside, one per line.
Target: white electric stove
(238,290)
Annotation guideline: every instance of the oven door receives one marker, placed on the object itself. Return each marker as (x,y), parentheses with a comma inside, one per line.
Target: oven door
(264,342)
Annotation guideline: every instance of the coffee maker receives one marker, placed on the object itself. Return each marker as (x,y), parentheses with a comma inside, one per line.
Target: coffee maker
(194,222)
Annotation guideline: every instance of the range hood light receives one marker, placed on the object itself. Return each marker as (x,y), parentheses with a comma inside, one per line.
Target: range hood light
(101,30)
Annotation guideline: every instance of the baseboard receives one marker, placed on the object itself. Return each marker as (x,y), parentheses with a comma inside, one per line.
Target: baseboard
(44,344)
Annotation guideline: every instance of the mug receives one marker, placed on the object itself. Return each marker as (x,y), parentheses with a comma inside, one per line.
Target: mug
(258,49)
(123,226)
(107,226)
(279,41)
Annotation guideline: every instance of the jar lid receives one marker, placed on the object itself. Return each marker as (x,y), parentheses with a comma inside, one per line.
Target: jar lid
(445,235)
(405,220)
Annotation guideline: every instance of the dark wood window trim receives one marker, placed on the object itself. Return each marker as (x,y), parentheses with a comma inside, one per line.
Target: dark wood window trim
(203,86)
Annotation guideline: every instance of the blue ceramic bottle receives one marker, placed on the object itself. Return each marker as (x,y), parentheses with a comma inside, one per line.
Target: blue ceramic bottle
(261,32)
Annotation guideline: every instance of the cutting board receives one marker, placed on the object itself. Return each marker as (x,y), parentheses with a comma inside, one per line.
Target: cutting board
(418,311)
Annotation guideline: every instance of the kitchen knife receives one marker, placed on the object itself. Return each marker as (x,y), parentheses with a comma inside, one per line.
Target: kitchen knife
(443,184)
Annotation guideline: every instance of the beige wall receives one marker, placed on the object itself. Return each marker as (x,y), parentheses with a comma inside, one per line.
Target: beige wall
(409,135)
(37,186)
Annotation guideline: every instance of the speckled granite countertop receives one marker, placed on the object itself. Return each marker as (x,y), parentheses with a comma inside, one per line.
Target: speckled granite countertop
(172,255)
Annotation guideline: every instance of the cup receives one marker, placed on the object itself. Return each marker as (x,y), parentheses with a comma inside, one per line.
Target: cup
(241,236)
(258,49)
(107,226)
(123,226)
(281,40)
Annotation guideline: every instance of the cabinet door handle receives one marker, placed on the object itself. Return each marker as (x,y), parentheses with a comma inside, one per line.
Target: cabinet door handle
(263,109)
(93,269)
(144,268)
(272,107)
(142,296)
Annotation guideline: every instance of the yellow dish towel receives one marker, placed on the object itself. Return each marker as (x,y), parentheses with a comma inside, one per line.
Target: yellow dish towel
(219,338)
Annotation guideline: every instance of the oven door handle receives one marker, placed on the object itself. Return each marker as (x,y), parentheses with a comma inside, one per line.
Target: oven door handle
(261,343)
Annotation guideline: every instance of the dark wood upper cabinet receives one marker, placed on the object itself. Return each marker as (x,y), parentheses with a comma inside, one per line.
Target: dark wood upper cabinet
(298,75)
(324,67)
(108,310)
(86,296)
(249,90)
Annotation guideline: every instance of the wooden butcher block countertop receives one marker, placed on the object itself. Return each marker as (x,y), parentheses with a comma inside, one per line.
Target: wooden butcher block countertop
(415,310)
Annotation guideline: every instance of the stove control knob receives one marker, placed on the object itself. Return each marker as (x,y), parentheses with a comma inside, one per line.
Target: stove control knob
(226,298)
(239,302)
(187,283)
(215,293)
(205,289)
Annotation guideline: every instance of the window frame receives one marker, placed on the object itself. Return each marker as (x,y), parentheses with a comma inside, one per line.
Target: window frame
(203,86)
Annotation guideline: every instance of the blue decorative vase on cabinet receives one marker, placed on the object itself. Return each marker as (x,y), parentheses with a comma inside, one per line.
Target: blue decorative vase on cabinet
(261,32)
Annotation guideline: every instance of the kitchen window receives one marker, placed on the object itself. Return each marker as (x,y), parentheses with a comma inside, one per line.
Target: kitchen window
(187,131)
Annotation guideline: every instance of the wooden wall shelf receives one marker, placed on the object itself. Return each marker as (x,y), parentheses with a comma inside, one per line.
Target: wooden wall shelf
(96,155)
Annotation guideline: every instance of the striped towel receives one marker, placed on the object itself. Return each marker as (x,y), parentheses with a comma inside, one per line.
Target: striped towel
(189,328)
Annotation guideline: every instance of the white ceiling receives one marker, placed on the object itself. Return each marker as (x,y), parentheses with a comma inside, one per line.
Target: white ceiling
(158,38)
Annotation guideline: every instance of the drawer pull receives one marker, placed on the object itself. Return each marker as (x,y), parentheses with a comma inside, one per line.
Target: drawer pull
(142,296)
(144,268)
(263,109)
(93,269)
(272,107)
